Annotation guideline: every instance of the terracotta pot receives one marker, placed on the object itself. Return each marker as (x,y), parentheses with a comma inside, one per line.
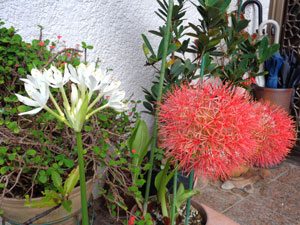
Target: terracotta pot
(278,96)
(240,171)
(16,212)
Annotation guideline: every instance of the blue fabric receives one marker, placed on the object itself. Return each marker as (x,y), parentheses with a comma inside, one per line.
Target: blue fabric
(273,66)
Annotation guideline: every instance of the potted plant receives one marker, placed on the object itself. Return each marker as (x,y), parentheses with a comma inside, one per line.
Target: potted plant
(184,146)
(38,152)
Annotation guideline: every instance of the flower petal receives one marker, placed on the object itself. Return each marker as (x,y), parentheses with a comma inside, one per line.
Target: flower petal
(26,100)
(31,112)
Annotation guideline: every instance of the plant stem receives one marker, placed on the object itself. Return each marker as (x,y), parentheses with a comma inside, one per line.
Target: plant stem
(173,213)
(162,76)
(56,105)
(96,110)
(84,209)
(188,204)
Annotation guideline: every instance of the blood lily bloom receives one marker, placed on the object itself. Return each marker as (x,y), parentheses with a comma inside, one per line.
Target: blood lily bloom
(207,128)
(275,134)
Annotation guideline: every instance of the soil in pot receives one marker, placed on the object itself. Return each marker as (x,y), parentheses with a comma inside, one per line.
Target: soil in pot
(181,179)
(197,215)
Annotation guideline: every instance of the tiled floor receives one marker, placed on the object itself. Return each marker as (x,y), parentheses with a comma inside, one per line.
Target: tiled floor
(274,200)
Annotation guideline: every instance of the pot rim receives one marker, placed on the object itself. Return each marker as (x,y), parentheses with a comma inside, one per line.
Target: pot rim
(255,86)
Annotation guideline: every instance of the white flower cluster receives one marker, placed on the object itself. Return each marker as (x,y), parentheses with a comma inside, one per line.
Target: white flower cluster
(86,80)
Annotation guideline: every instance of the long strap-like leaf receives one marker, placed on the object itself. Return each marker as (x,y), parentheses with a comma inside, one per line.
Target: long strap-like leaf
(162,76)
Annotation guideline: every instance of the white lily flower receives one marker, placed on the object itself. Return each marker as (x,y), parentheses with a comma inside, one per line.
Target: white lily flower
(35,79)
(55,78)
(115,101)
(98,80)
(37,98)
(111,87)
(77,76)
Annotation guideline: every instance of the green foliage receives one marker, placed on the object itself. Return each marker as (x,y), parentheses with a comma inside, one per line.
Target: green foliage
(52,198)
(37,152)
(232,54)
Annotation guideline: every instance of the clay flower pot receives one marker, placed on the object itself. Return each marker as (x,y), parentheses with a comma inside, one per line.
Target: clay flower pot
(17,213)
(278,96)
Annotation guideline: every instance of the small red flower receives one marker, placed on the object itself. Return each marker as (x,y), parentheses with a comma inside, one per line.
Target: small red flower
(107,96)
(52,47)
(28,46)
(63,64)
(41,43)
(130,113)
(131,220)
(79,55)
(68,54)
(133,151)
(16,65)
(59,37)
(77,44)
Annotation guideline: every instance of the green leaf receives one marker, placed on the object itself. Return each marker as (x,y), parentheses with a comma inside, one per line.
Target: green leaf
(43,179)
(68,162)
(148,44)
(71,181)
(23,108)
(31,152)
(67,205)
(183,195)
(4,169)
(56,178)
(3,150)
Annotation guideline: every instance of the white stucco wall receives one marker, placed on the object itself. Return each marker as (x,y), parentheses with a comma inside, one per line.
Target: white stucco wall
(113,27)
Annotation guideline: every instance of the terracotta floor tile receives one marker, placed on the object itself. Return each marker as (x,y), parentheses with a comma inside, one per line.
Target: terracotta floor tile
(274,201)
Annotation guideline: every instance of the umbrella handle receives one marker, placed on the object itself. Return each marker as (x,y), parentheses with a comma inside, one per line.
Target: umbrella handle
(277,30)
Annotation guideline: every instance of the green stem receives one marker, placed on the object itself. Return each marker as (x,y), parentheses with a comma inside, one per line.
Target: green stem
(96,110)
(66,101)
(161,80)
(56,105)
(58,117)
(188,204)
(94,102)
(84,209)
(173,213)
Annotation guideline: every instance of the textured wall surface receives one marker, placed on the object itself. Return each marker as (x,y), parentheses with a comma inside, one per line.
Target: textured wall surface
(113,27)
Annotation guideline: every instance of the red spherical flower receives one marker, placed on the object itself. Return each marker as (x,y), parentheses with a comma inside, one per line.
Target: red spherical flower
(275,135)
(41,43)
(207,128)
